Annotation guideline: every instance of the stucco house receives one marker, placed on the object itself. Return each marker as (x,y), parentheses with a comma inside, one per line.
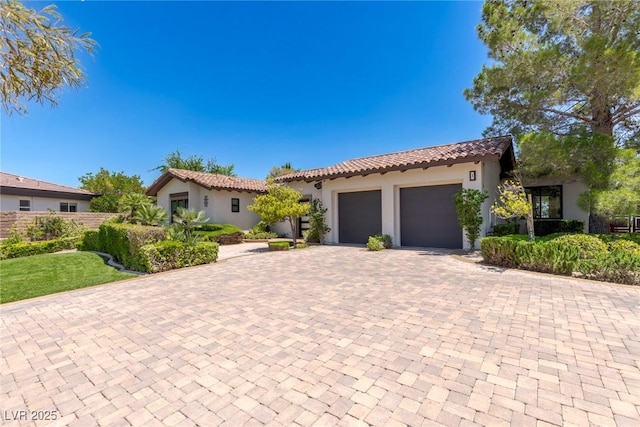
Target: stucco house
(407,195)
(19,193)
(224,199)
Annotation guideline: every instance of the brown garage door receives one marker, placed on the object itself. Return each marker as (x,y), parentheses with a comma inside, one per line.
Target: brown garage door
(359,216)
(428,217)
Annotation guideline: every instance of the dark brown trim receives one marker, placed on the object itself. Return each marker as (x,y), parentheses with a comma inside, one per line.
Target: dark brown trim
(28,192)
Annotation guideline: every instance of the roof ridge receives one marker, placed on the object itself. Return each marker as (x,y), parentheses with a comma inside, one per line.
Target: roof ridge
(421,148)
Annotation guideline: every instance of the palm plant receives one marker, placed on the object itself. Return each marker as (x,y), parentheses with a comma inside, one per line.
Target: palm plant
(187,221)
(130,203)
(150,215)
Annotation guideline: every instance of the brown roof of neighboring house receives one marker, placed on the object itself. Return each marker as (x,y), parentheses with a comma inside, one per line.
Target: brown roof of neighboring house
(462,152)
(20,185)
(210,181)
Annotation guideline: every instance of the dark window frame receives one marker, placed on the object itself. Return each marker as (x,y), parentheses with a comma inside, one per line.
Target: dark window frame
(24,207)
(70,207)
(235,204)
(537,194)
(178,200)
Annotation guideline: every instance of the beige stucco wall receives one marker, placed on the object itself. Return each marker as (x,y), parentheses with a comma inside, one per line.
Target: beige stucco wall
(12,203)
(219,203)
(390,185)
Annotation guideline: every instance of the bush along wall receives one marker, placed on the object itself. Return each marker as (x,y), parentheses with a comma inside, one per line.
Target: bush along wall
(551,226)
(169,254)
(581,255)
(123,242)
(22,249)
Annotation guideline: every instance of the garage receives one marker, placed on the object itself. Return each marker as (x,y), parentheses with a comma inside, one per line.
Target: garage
(359,216)
(428,217)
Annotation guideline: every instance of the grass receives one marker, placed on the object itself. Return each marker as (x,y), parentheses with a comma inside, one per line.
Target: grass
(34,276)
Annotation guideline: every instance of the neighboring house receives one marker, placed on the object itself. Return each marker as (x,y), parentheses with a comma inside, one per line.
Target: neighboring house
(18,193)
(407,195)
(555,198)
(224,199)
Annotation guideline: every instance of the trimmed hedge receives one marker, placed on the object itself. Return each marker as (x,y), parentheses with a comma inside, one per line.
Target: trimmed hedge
(90,241)
(543,227)
(580,255)
(278,246)
(22,249)
(123,242)
(169,255)
(506,229)
(225,234)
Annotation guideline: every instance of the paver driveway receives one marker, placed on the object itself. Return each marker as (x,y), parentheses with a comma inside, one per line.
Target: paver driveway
(328,336)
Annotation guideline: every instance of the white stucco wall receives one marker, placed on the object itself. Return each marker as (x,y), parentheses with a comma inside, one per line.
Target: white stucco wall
(390,185)
(219,203)
(571,190)
(42,204)
(283,228)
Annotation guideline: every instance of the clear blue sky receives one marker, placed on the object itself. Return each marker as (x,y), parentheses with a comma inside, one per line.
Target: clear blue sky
(254,84)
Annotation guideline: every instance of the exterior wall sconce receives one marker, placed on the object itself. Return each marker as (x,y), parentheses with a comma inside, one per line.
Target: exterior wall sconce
(206,201)
(472,175)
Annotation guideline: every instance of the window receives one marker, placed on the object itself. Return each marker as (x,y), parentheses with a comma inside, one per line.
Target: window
(25,205)
(235,205)
(547,201)
(178,200)
(68,207)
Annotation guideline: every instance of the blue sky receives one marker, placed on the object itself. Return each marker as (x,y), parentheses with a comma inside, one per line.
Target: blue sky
(253,84)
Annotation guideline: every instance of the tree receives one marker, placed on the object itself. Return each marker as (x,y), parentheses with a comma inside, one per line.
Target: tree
(111,186)
(469,206)
(280,203)
(194,163)
(317,225)
(38,55)
(559,65)
(285,169)
(513,202)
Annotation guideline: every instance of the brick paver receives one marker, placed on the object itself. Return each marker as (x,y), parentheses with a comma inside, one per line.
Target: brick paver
(327,336)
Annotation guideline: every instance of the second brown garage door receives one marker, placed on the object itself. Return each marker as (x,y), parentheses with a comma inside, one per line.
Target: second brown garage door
(428,217)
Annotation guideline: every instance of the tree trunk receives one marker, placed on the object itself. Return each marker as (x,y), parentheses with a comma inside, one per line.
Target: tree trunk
(530,229)
(294,231)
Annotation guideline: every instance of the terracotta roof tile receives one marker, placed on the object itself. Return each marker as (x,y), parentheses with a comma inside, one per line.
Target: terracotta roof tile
(412,159)
(21,182)
(209,181)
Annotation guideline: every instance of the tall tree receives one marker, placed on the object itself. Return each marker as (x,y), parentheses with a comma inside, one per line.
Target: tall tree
(194,163)
(112,186)
(560,64)
(285,169)
(37,55)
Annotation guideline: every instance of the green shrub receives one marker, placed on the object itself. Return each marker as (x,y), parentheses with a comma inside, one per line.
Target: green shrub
(506,229)
(301,246)
(543,227)
(633,237)
(375,244)
(124,241)
(569,254)
(90,241)
(260,235)
(617,267)
(278,246)
(224,234)
(169,255)
(22,249)
(588,246)
(624,246)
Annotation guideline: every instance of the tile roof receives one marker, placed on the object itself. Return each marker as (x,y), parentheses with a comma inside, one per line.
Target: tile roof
(9,180)
(462,152)
(210,181)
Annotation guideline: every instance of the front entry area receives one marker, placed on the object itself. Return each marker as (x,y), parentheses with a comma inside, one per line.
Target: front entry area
(428,217)
(359,216)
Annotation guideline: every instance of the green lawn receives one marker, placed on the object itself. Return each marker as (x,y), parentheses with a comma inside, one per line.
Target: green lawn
(28,277)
